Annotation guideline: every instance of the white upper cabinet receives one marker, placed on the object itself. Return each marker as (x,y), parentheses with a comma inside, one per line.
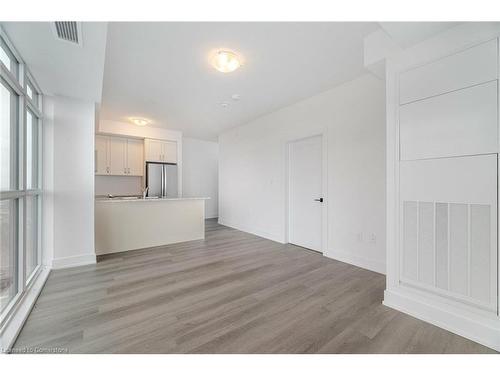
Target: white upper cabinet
(160,151)
(170,152)
(135,157)
(118,156)
(153,150)
(470,67)
(118,152)
(101,156)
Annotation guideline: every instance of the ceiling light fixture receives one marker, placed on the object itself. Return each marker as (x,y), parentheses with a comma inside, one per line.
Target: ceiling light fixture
(226,61)
(139,121)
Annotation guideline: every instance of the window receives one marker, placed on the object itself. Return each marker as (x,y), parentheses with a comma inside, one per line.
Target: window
(32,253)
(8,139)
(31,151)
(20,182)
(31,92)
(8,252)
(7,57)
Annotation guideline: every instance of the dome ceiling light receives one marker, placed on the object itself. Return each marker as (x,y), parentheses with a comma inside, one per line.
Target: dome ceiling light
(139,121)
(226,61)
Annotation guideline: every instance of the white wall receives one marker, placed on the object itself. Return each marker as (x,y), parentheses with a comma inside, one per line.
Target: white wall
(69,181)
(252,169)
(118,185)
(200,177)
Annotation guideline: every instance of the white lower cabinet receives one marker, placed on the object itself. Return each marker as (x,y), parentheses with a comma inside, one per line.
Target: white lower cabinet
(117,156)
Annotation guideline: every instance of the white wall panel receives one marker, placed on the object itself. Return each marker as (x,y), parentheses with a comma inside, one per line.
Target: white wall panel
(410,240)
(480,253)
(462,122)
(470,179)
(442,245)
(469,67)
(442,148)
(426,263)
(448,229)
(458,248)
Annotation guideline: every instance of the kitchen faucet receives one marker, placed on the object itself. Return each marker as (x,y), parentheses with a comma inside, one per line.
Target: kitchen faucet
(145,192)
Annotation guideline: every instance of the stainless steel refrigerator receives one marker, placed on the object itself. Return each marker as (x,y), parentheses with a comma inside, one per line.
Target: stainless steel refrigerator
(161,179)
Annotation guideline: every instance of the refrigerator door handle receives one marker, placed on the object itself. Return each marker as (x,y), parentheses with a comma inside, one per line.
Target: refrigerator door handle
(162,191)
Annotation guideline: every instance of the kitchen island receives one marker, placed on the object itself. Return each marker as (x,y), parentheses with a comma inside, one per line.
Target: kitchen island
(135,223)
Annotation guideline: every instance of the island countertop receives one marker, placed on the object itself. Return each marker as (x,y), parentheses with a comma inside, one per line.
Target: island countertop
(148,199)
(129,224)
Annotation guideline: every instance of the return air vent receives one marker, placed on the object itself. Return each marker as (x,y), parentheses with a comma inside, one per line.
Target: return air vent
(68,31)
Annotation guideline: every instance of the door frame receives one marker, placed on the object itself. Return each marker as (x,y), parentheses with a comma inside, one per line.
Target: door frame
(324,189)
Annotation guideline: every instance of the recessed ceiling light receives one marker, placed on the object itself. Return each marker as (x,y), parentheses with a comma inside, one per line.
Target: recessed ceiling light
(139,121)
(226,61)
(236,96)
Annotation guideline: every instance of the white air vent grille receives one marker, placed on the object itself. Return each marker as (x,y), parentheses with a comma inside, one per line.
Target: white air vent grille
(68,31)
(448,246)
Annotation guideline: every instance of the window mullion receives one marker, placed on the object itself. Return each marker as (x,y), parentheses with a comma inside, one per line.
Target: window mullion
(22,185)
(11,80)
(33,108)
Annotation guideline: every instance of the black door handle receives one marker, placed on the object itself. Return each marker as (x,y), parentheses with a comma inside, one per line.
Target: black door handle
(319,200)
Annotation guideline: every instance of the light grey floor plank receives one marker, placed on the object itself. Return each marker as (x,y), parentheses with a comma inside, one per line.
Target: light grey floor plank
(230,293)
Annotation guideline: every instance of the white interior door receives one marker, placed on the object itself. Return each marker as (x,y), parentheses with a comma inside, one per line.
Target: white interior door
(305,193)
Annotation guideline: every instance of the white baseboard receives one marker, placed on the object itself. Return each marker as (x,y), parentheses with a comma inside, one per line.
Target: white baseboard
(13,326)
(256,232)
(74,261)
(214,215)
(463,321)
(369,264)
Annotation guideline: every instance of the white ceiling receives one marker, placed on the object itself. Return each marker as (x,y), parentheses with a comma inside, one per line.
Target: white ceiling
(406,34)
(59,67)
(161,70)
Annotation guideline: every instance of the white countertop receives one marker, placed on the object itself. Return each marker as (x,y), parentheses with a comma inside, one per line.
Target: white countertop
(134,199)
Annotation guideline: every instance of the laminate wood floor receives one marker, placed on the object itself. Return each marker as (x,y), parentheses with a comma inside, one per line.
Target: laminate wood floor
(230,293)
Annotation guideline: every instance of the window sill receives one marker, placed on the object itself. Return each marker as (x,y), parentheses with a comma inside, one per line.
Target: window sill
(15,323)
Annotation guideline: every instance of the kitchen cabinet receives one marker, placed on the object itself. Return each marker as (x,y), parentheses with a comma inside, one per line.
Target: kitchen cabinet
(101,156)
(135,157)
(117,156)
(161,151)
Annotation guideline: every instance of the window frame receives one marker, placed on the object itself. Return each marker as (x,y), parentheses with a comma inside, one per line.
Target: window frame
(18,83)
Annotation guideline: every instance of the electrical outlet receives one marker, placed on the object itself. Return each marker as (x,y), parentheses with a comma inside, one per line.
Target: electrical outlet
(359,237)
(373,238)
